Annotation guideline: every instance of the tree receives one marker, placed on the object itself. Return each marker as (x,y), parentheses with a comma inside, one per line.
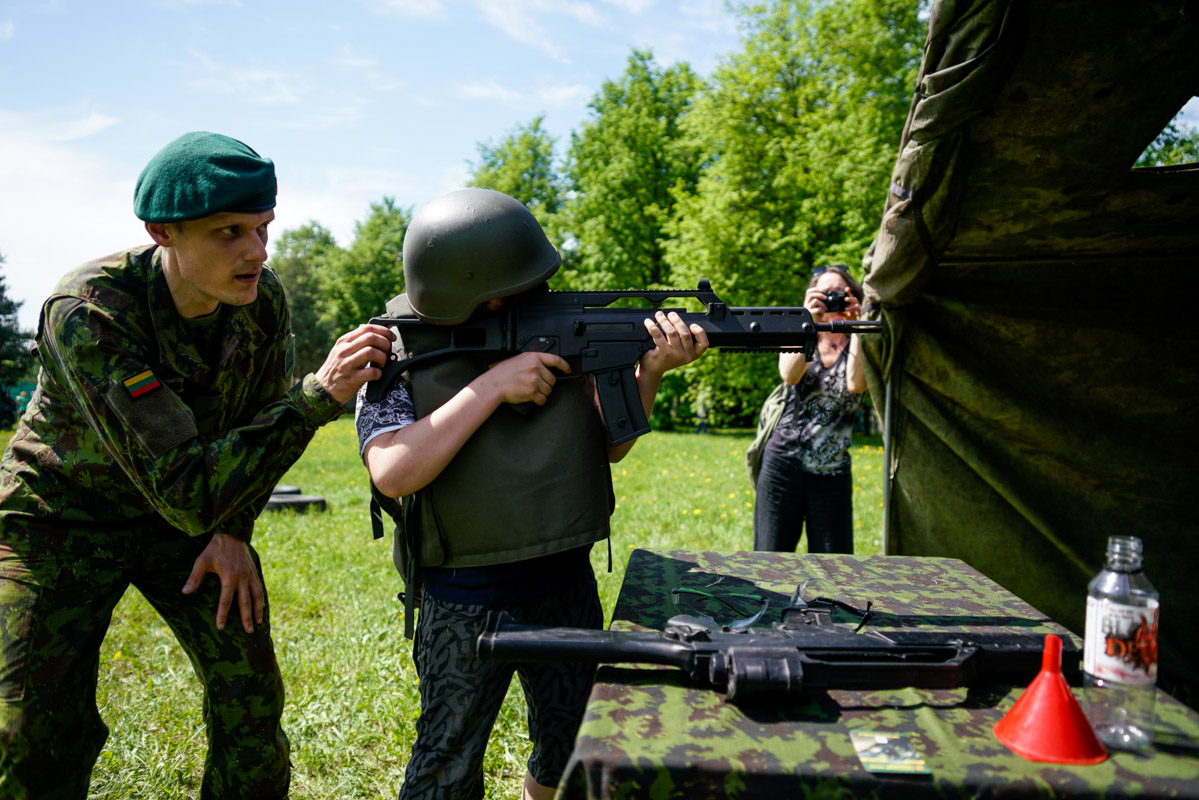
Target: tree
(15,357)
(1177,144)
(522,166)
(301,258)
(623,167)
(800,130)
(361,279)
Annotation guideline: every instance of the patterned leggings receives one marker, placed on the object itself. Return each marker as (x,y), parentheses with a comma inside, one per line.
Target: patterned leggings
(461,695)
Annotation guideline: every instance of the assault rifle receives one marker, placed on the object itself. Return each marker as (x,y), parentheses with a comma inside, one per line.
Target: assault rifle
(607,342)
(756,663)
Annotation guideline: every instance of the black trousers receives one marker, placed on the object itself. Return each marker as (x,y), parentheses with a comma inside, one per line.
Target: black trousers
(788,498)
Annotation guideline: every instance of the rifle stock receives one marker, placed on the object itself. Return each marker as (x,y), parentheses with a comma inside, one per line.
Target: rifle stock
(607,342)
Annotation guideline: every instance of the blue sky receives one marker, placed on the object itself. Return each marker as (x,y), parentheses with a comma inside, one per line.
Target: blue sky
(354,100)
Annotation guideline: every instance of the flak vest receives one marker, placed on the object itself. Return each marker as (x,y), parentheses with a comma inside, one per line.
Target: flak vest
(531,481)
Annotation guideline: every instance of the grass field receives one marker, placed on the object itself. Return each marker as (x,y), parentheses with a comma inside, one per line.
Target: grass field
(338,629)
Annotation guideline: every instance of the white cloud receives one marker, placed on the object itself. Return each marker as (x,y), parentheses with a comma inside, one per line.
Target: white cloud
(708,16)
(453,177)
(374,78)
(82,128)
(6,29)
(580,12)
(698,32)
(563,96)
(515,22)
(347,110)
(540,99)
(382,82)
(425,100)
(263,86)
(60,207)
(420,9)
(632,6)
(347,58)
(522,21)
(65,124)
(492,90)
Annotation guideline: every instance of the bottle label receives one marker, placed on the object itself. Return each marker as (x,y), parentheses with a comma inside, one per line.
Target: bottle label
(1121,641)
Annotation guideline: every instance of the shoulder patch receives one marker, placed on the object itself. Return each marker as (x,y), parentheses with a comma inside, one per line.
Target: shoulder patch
(141,383)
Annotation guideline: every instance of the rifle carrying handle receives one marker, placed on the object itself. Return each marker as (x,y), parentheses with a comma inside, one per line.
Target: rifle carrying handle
(620,404)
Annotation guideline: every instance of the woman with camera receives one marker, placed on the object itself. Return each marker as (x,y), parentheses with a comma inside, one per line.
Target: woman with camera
(805,473)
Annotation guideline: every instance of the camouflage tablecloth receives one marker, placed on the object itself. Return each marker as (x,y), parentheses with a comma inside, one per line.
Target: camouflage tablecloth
(647,733)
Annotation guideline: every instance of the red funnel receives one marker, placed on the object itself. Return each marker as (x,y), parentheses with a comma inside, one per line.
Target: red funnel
(1047,723)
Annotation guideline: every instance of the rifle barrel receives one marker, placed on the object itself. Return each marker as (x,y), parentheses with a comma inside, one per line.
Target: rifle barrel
(504,640)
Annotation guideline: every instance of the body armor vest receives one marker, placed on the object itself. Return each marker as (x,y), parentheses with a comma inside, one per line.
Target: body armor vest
(531,481)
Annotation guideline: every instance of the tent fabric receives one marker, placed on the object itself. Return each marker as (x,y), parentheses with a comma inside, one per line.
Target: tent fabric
(1035,291)
(970,48)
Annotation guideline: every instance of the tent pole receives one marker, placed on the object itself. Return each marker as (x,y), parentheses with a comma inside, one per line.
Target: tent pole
(888,397)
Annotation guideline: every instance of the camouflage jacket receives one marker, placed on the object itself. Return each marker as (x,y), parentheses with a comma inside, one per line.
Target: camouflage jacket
(129,426)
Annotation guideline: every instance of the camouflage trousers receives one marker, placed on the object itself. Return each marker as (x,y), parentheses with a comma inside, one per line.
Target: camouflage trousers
(56,603)
(460,696)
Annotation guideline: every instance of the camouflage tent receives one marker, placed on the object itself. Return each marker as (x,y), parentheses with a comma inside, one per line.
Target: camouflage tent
(1038,366)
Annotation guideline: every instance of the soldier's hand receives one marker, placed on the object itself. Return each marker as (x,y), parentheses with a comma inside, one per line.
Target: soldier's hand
(356,357)
(230,560)
(524,378)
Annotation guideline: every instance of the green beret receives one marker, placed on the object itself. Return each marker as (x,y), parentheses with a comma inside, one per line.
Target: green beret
(203,173)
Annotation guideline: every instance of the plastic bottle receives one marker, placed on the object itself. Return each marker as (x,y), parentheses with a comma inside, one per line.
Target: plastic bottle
(1120,650)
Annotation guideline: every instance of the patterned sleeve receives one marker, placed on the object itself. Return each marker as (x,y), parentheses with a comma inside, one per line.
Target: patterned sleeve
(392,413)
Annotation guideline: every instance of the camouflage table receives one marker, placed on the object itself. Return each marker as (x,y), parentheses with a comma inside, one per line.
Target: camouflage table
(647,733)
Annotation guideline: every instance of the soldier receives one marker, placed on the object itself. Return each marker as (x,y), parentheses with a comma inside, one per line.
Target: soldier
(508,468)
(164,414)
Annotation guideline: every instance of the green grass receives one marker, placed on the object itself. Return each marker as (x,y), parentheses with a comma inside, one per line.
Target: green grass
(352,691)
(683,491)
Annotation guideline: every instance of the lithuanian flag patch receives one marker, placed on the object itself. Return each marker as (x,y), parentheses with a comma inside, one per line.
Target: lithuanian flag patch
(141,383)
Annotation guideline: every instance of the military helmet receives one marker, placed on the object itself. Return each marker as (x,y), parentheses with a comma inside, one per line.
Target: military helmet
(471,246)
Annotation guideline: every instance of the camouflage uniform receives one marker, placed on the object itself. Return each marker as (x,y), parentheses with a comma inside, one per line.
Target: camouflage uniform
(135,448)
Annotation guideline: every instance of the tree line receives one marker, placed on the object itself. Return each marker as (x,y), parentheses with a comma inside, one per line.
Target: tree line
(16,361)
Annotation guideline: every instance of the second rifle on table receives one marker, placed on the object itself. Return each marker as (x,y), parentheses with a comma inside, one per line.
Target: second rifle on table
(803,650)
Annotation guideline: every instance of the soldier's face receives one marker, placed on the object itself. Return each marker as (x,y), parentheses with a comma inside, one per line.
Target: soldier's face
(217,259)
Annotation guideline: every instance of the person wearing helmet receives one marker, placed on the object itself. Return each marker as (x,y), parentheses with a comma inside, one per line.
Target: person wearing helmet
(164,414)
(506,485)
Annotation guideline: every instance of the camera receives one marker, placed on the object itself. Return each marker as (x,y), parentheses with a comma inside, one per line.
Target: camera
(834,300)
